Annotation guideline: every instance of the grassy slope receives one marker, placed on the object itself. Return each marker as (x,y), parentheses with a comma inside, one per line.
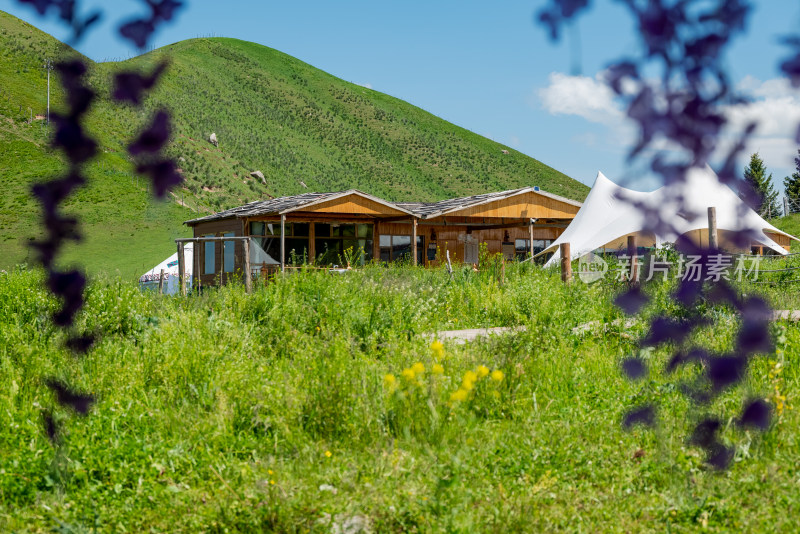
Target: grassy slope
(271,113)
(293,122)
(125,231)
(215,413)
(789,224)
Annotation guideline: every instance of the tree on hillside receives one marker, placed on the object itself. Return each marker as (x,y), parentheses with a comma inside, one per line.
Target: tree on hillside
(791,185)
(756,175)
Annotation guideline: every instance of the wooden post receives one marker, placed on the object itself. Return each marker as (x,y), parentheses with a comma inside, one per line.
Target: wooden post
(161,283)
(376,241)
(713,242)
(530,232)
(632,249)
(785,206)
(181,269)
(566,263)
(413,241)
(312,243)
(449,265)
(283,243)
(248,276)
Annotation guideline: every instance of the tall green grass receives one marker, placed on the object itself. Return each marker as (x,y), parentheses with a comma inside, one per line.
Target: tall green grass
(274,412)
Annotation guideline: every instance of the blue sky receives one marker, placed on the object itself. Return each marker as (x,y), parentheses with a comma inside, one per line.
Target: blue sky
(484,67)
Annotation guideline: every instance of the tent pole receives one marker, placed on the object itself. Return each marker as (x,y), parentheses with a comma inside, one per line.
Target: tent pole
(530,236)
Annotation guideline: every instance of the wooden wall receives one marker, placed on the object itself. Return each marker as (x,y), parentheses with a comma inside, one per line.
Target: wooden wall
(530,205)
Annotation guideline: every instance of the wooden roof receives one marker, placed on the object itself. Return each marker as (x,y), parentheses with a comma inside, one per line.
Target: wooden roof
(354,201)
(454,205)
(322,202)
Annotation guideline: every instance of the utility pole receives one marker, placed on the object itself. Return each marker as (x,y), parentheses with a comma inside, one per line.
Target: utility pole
(48,64)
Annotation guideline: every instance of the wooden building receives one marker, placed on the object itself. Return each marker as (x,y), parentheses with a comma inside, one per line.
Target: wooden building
(329,226)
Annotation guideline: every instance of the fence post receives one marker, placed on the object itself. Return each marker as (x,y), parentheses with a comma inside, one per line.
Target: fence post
(248,277)
(785,206)
(161,283)
(713,241)
(181,269)
(566,264)
(283,243)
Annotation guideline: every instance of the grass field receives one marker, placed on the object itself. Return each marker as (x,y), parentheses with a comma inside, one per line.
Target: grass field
(319,403)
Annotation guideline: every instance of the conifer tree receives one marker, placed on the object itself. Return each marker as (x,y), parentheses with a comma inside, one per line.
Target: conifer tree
(791,185)
(756,175)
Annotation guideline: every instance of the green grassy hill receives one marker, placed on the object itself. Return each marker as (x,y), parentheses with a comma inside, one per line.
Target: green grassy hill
(305,130)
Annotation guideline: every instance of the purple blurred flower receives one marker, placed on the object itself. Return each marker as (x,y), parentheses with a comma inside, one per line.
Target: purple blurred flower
(643,415)
(634,368)
(65,396)
(130,86)
(163,174)
(631,301)
(756,414)
(154,137)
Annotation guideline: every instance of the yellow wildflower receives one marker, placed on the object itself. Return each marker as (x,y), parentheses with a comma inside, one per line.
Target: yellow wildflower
(389,381)
(438,349)
(409,374)
(328,454)
(272,482)
(437,369)
(460,395)
(469,380)
(482,371)
(497,375)
(418,368)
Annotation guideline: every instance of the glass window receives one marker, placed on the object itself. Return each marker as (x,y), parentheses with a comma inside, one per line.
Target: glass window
(228,248)
(522,247)
(386,247)
(274,229)
(401,246)
(365,230)
(209,259)
(296,251)
(257,228)
(322,230)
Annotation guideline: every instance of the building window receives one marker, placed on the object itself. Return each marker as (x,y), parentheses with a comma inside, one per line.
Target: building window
(398,247)
(267,235)
(228,248)
(336,243)
(523,247)
(209,259)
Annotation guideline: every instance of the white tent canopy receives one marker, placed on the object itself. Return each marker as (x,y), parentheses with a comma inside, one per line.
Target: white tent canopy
(149,280)
(611,213)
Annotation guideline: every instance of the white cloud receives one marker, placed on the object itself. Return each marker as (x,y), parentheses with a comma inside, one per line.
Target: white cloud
(583,96)
(367,85)
(774,105)
(776,109)
(514,141)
